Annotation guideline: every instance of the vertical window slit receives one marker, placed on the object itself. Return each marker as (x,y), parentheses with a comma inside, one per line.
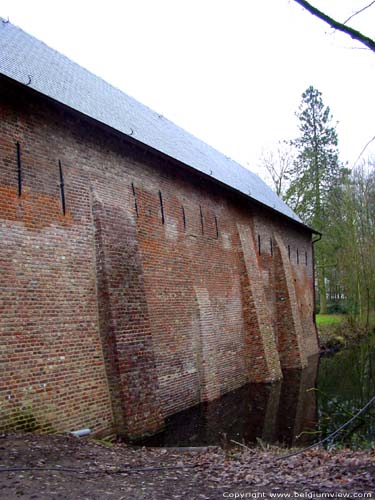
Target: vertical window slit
(271,246)
(217,228)
(62,187)
(289,251)
(183,216)
(161,207)
(202,226)
(259,247)
(19,169)
(297,256)
(306,258)
(135,200)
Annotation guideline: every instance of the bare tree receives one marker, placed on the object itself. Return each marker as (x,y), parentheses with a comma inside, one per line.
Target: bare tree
(279,164)
(356,252)
(356,35)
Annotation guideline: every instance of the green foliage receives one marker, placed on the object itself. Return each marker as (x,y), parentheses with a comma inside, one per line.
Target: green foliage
(316,167)
(355,232)
(316,178)
(337,308)
(336,201)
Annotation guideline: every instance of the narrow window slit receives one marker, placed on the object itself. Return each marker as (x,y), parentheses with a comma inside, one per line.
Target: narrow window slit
(259,247)
(202,226)
(19,169)
(306,258)
(271,246)
(183,216)
(289,251)
(217,228)
(297,256)
(62,188)
(161,207)
(135,200)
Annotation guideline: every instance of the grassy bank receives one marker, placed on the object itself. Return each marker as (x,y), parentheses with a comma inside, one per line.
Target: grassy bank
(329,319)
(339,330)
(331,331)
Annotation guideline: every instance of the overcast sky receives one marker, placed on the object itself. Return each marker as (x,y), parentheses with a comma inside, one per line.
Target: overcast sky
(229,71)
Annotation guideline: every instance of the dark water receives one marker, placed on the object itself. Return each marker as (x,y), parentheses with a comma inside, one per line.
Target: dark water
(346,382)
(304,407)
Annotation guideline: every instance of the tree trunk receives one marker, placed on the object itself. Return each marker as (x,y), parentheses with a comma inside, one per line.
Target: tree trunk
(322,293)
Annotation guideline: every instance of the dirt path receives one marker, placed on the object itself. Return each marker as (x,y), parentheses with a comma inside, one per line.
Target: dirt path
(101,472)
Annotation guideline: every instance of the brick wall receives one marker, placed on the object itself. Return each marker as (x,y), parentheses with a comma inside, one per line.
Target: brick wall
(157,289)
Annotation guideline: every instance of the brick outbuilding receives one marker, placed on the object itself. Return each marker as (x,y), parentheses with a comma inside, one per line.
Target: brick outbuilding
(142,272)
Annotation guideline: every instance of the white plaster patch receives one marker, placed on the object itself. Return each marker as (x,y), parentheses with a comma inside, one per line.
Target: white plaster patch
(233,308)
(171,231)
(266,277)
(189,368)
(227,242)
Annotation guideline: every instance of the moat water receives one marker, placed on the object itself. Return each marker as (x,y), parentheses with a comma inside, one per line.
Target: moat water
(307,405)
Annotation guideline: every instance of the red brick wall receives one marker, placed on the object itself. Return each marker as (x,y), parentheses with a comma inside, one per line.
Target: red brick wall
(148,296)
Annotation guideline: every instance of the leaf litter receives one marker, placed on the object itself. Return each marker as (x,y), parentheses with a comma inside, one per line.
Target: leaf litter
(89,470)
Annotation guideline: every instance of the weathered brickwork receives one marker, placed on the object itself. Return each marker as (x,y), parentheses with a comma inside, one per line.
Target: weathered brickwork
(156,290)
(124,324)
(264,356)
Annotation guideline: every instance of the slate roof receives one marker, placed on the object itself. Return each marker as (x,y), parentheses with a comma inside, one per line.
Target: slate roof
(31,62)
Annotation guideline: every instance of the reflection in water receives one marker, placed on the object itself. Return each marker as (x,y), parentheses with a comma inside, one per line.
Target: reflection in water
(275,413)
(289,412)
(346,383)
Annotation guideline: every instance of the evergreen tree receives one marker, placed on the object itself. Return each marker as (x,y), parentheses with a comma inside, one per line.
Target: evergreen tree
(316,171)
(316,180)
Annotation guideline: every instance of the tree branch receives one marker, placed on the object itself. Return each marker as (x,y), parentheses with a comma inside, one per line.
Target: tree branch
(358,12)
(363,150)
(356,35)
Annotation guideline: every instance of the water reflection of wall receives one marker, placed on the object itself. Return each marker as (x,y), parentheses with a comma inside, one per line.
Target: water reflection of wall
(274,413)
(297,411)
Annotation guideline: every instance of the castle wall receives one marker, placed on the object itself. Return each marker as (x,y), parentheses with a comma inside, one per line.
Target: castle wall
(156,290)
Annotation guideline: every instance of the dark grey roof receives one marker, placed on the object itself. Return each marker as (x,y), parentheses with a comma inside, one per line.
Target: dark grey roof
(29,61)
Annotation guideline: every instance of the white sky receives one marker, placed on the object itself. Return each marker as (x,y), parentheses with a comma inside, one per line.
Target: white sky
(230,72)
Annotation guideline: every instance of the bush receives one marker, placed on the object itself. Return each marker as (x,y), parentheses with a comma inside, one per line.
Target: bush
(337,308)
